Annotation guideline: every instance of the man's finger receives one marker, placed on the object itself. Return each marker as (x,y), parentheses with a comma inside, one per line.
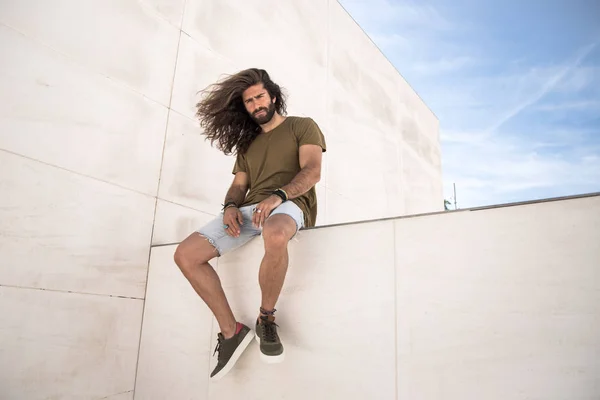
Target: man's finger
(240,217)
(258,216)
(228,226)
(255,216)
(234,225)
(229,222)
(232,230)
(263,216)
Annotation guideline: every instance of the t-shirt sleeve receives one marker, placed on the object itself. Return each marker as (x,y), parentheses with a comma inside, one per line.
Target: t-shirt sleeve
(240,165)
(308,132)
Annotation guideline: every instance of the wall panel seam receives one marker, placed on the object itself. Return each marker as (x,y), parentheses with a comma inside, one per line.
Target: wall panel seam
(70,292)
(76,173)
(155,208)
(84,66)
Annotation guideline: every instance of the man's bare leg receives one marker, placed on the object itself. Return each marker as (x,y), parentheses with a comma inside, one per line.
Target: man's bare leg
(192,257)
(277,232)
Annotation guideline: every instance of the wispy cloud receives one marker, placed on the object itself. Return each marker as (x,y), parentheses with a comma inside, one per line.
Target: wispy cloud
(512,169)
(385,14)
(443,65)
(579,79)
(519,116)
(587,105)
(391,42)
(546,87)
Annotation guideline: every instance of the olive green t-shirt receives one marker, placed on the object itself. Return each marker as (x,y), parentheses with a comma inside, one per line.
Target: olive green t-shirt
(272,161)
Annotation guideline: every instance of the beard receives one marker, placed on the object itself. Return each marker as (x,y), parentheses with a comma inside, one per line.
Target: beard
(263,119)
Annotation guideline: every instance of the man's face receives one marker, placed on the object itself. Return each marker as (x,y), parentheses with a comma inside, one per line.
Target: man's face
(259,104)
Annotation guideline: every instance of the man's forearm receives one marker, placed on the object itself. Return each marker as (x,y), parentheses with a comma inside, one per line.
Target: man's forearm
(235,194)
(302,182)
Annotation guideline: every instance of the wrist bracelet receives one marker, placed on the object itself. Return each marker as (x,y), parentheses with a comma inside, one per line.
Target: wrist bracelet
(229,204)
(282,194)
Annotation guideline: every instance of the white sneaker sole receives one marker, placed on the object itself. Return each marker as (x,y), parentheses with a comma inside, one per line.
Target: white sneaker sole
(269,359)
(234,357)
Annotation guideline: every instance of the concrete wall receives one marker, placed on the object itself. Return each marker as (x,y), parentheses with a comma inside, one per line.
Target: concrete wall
(497,304)
(98,88)
(501,303)
(100,158)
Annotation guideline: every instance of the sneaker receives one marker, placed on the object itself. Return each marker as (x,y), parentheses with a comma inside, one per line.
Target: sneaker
(271,349)
(230,350)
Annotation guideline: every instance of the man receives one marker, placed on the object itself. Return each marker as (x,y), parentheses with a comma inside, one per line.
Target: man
(278,163)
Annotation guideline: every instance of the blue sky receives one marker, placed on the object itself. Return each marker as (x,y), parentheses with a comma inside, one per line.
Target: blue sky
(515,85)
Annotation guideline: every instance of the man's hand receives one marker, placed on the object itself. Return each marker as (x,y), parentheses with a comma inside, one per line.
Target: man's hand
(232,219)
(264,208)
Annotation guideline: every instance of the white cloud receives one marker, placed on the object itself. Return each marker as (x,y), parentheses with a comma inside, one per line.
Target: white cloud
(501,168)
(581,105)
(392,42)
(579,79)
(443,65)
(460,137)
(383,14)
(491,146)
(546,87)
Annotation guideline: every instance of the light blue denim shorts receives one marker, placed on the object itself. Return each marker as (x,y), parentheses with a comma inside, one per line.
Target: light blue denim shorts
(215,233)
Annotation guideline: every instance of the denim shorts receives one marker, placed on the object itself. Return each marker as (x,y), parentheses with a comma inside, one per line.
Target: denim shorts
(215,233)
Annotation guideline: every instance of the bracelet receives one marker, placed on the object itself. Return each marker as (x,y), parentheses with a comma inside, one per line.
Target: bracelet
(229,204)
(282,194)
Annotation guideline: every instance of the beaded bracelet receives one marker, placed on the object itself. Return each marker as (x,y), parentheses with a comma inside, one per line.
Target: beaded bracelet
(229,204)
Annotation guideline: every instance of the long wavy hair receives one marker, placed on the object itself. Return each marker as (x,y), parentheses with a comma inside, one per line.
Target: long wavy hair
(222,114)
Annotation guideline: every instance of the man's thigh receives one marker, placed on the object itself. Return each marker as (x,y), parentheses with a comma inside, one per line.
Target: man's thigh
(214,231)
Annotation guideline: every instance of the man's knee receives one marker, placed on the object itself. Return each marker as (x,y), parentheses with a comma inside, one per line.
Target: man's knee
(181,257)
(192,253)
(277,232)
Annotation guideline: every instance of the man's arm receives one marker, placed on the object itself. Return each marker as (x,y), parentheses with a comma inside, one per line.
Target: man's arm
(310,171)
(238,189)
(309,175)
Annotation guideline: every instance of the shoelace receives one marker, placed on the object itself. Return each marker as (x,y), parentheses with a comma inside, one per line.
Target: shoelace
(218,347)
(269,332)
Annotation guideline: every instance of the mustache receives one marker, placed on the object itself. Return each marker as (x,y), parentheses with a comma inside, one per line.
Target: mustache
(259,110)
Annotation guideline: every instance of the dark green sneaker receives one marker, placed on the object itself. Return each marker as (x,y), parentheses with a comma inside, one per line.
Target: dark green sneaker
(230,350)
(271,349)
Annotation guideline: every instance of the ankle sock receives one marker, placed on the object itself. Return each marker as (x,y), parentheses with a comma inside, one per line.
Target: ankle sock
(238,327)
